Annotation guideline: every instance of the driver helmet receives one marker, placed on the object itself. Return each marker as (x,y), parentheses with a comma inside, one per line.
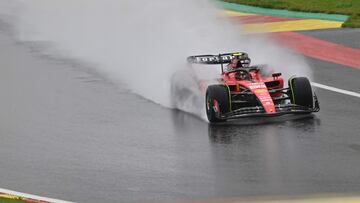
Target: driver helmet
(242,75)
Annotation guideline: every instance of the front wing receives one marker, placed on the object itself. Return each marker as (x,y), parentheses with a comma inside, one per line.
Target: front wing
(281,109)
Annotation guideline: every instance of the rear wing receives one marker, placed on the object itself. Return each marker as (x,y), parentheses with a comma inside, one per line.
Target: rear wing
(216,59)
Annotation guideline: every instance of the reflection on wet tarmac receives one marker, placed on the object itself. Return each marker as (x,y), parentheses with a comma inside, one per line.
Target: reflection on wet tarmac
(227,132)
(265,156)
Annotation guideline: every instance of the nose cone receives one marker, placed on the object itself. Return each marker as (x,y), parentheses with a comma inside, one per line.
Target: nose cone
(265,99)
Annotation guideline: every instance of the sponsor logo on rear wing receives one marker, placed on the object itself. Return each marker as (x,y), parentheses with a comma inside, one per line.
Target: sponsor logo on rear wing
(215,59)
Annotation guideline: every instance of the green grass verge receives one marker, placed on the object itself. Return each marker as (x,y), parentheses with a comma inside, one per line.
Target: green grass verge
(5,200)
(346,7)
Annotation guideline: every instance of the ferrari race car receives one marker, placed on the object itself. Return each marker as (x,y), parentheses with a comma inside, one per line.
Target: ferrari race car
(247,91)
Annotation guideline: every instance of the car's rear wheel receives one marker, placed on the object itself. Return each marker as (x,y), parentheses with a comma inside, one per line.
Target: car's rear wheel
(217,103)
(301,92)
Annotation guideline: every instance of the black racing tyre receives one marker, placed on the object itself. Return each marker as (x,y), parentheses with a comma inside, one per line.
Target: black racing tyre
(220,93)
(301,92)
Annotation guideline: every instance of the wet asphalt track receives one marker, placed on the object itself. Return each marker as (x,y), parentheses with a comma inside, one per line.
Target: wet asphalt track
(68,133)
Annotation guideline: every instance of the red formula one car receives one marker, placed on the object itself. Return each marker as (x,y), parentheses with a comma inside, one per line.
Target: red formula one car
(244,90)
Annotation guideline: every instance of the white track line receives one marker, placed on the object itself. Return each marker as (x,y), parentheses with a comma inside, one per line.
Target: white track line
(35,197)
(334,89)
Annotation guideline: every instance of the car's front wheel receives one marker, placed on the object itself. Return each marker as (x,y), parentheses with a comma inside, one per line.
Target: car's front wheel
(301,92)
(217,103)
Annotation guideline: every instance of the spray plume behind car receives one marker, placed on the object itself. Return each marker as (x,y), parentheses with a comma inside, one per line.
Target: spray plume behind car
(141,44)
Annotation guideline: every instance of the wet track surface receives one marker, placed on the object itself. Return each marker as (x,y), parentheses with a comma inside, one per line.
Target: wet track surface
(68,133)
(345,36)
